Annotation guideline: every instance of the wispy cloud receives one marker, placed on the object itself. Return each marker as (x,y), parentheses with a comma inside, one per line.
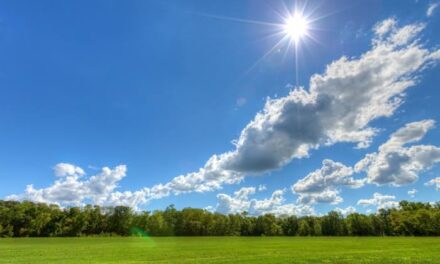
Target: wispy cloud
(412,193)
(241,101)
(434,182)
(431,8)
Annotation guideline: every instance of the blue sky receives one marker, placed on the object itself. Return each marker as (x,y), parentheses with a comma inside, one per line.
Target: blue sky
(159,87)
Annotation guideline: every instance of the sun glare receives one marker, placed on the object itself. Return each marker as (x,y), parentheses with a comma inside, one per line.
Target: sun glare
(296,27)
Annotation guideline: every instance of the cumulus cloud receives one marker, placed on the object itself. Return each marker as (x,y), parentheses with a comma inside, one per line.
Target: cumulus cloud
(240,202)
(380,201)
(321,186)
(431,9)
(395,163)
(338,106)
(71,189)
(345,211)
(237,203)
(412,193)
(209,178)
(66,169)
(434,182)
(384,27)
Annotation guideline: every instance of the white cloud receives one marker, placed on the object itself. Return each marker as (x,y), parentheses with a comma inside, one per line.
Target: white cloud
(396,164)
(380,201)
(431,9)
(71,189)
(338,107)
(346,211)
(412,193)
(66,169)
(209,178)
(103,183)
(262,187)
(237,203)
(327,196)
(241,101)
(240,202)
(434,182)
(210,208)
(127,198)
(384,27)
(382,167)
(321,186)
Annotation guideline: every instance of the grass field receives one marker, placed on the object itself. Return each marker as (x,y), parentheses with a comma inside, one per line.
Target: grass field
(220,250)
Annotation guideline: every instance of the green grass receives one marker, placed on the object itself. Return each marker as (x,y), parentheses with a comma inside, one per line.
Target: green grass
(220,250)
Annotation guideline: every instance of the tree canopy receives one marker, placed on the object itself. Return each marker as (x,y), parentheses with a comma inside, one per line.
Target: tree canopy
(28,219)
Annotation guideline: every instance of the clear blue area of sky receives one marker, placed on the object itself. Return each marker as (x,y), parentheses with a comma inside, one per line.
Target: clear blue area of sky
(155,85)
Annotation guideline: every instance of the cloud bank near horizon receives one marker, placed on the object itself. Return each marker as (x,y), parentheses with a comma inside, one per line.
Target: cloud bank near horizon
(394,164)
(324,185)
(337,107)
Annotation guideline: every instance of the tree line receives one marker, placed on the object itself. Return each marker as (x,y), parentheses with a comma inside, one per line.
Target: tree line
(28,219)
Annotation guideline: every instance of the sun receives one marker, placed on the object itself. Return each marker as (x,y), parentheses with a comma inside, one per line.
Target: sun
(293,30)
(296,27)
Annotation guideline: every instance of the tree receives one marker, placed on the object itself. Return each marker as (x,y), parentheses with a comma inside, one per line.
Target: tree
(267,225)
(172,219)
(384,216)
(23,219)
(332,224)
(219,225)
(192,224)
(96,223)
(317,228)
(377,225)
(290,225)
(359,225)
(156,224)
(121,220)
(247,227)
(303,228)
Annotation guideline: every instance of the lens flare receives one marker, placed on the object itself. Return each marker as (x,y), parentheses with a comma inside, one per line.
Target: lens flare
(139,232)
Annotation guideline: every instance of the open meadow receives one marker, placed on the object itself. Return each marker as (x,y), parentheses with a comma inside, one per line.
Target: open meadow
(220,250)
